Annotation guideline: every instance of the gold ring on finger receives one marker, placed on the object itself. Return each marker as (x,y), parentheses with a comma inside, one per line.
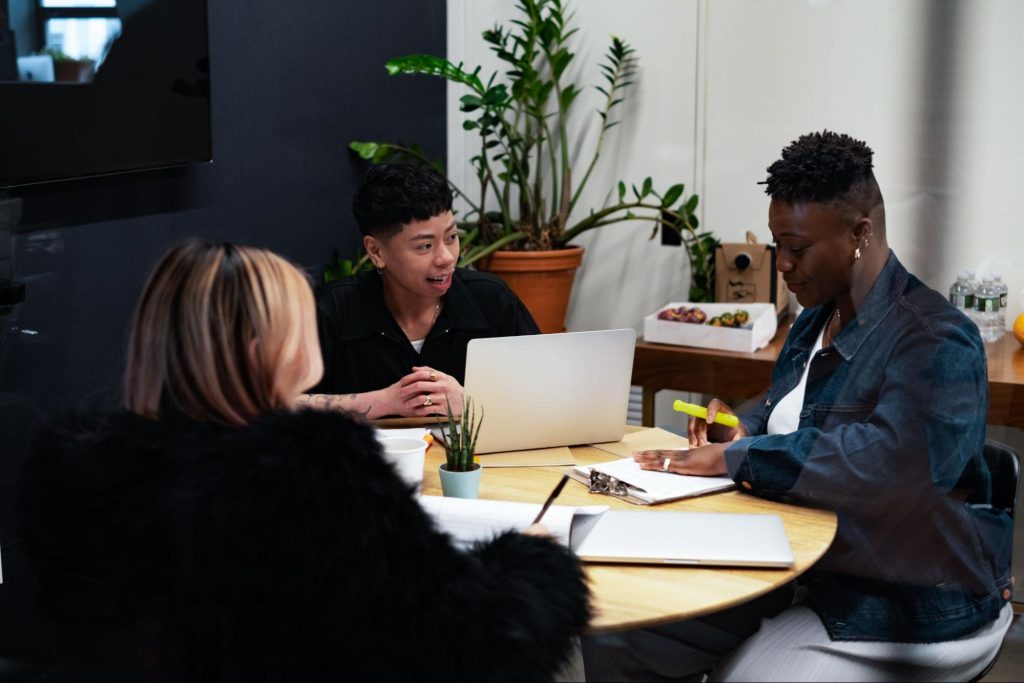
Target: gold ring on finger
(433,376)
(427,401)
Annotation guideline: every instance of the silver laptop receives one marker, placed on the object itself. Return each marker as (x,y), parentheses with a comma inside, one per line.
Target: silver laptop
(545,390)
(670,537)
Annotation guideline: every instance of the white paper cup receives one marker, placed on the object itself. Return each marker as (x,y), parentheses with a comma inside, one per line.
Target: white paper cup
(407,454)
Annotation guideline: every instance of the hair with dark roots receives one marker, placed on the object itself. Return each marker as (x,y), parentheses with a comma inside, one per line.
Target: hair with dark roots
(827,168)
(393,195)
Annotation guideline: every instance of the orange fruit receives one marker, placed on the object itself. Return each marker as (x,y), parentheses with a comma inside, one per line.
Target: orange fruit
(1018,328)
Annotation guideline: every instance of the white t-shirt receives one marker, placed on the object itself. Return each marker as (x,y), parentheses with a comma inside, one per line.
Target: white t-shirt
(418,344)
(786,416)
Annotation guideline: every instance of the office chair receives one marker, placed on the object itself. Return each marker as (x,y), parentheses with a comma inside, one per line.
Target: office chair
(1004,466)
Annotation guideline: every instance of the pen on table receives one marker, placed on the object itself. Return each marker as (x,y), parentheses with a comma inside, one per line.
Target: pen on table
(551,498)
(702,412)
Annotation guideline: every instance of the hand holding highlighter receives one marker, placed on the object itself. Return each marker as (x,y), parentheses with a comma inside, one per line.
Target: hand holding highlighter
(702,412)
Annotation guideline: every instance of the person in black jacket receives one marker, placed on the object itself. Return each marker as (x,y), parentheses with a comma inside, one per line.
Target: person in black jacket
(394,341)
(212,531)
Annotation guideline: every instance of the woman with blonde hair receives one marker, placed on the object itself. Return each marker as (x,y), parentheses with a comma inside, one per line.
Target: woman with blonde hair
(212,531)
(222,334)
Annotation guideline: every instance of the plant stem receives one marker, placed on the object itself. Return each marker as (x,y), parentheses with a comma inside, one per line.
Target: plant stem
(473,256)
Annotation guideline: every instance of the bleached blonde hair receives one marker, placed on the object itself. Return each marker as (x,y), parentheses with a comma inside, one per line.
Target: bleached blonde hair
(213,331)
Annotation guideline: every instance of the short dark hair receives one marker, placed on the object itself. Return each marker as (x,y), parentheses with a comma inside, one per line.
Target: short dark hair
(393,195)
(827,168)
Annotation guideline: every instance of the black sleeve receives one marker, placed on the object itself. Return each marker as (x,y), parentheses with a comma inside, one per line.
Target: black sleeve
(519,320)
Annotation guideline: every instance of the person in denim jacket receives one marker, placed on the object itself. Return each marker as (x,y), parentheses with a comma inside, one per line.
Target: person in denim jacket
(876,410)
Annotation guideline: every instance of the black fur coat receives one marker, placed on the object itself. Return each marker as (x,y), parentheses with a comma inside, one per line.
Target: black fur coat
(286,550)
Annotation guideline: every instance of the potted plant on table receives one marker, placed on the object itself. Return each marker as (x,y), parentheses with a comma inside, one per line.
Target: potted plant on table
(67,68)
(460,473)
(527,209)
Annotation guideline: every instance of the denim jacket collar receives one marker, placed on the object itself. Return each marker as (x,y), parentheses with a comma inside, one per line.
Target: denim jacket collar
(882,296)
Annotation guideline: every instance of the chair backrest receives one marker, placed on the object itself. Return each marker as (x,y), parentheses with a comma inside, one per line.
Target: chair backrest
(1004,466)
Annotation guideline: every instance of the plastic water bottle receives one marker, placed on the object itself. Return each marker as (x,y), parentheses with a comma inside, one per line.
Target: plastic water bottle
(986,307)
(1003,291)
(961,295)
(973,287)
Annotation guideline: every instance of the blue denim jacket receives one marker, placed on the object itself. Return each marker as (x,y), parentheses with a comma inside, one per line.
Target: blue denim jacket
(891,430)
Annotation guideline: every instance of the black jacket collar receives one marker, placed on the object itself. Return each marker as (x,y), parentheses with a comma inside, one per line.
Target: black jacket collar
(371,317)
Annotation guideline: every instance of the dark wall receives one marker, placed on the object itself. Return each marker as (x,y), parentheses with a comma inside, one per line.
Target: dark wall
(292,83)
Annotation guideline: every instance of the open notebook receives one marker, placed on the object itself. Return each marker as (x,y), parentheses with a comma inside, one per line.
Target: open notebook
(597,534)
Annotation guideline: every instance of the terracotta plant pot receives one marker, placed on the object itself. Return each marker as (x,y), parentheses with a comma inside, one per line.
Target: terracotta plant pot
(542,279)
(74,70)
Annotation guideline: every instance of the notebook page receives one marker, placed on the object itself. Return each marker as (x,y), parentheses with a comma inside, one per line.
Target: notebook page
(470,520)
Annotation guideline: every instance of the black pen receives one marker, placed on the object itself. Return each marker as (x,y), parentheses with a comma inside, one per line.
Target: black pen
(551,498)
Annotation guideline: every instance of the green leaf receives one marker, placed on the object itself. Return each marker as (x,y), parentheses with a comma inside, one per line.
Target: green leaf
(568,95)
(691,204)
(672,195)
(648,186)
(434,66)
(366,150)
(622,190)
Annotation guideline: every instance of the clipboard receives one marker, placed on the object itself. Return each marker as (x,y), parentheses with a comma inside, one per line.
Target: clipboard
(624,479)
(576,474)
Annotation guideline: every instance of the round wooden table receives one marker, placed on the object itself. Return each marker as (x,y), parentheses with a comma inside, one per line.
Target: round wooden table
(635,596)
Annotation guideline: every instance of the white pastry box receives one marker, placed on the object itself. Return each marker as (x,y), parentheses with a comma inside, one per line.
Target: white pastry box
(762,326)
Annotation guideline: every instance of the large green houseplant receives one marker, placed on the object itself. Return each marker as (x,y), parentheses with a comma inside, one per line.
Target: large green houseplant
(529,191)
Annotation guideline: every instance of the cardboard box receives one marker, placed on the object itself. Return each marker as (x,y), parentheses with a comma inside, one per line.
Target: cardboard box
(763,324)
(745,273)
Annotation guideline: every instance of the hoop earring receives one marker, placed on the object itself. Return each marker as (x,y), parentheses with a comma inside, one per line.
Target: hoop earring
(856,253)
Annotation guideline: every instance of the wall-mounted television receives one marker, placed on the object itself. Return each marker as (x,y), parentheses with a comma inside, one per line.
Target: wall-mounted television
(93,87)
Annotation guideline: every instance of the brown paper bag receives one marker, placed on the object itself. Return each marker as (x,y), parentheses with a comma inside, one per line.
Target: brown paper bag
(745,272)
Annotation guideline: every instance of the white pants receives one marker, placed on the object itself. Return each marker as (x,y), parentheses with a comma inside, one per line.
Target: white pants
(794,646)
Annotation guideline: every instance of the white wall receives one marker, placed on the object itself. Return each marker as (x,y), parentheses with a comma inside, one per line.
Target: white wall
(624,276)
(726,84)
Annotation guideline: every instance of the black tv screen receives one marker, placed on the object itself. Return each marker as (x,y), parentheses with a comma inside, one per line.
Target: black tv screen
(92,87)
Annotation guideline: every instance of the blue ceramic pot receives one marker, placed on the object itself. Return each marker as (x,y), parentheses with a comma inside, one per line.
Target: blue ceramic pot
(461,484)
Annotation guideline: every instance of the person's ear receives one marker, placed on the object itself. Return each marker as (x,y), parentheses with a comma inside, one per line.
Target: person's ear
(863,230)
(373,247)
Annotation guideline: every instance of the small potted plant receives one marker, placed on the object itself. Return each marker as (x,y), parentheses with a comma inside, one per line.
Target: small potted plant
(67,68)
(460,474)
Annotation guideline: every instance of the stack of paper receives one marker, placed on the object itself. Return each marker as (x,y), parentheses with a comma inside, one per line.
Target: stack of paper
(470,520)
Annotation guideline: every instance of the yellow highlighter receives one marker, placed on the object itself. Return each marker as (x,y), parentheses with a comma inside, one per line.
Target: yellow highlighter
(702,412)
